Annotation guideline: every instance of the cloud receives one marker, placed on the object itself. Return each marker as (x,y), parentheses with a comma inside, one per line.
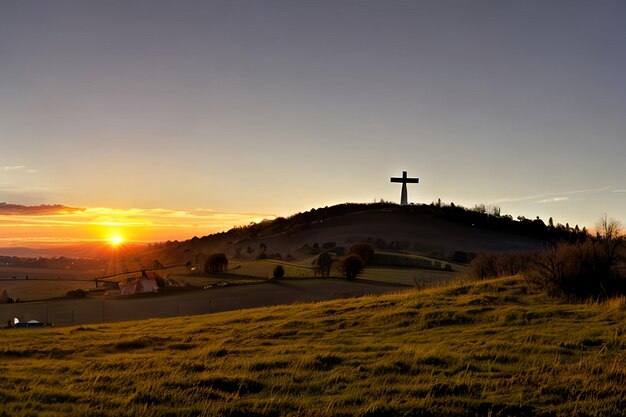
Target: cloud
(618,191)
(14,168)
(41,210)
(59,222)
(552,200)
(549,197)
(32,171)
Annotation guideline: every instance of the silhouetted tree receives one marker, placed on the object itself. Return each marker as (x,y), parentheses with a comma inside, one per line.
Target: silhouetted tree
(352,266)
(363,251)
(322,264)
(610,240)
(217,262)
(279,271)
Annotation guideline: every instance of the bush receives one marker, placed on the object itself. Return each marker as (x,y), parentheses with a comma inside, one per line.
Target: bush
(352,266)
(492,265)
(217,262)
(577,271)
(582,270)
(363,251)
(279,272)
(76,293)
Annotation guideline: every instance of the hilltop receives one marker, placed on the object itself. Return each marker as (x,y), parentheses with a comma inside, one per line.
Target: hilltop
(486,348)
(433,230)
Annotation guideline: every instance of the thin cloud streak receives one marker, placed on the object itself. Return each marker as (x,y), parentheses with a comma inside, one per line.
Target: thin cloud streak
(545,197)
(14,168)
(552,200)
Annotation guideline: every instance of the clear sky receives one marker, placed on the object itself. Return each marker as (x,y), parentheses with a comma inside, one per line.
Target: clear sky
(250,108)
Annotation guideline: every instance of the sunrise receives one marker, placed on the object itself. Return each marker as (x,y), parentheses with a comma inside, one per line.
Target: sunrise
(312,208)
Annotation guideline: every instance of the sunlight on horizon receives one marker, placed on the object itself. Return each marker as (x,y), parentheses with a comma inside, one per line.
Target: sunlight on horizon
(116,240)
(103,224)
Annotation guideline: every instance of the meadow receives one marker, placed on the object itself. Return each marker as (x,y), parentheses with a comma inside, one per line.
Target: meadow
(44,283)
(487,348)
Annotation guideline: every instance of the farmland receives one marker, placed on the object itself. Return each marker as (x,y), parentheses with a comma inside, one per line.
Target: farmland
(27,284)
(487,348)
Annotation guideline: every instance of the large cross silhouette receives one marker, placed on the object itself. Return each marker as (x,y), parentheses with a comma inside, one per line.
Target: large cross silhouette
(404,198)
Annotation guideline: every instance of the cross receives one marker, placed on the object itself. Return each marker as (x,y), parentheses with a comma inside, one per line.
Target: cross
(404,199)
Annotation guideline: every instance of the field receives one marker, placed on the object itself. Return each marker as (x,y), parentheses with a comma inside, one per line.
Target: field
(8,272)
(491,348)
(43,283)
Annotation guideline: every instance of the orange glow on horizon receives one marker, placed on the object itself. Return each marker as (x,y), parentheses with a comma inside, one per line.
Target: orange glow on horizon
(117,227)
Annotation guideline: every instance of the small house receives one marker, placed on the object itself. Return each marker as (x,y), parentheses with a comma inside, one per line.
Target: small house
(146,283)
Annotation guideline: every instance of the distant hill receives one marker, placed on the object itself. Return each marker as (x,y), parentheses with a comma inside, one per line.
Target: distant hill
(439,231)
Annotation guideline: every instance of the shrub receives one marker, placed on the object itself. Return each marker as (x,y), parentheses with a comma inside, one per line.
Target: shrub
(491,265)
(582,270)
(363,251)
(352,266)
(279,271)
(217,262)
(576,271)
(76,293)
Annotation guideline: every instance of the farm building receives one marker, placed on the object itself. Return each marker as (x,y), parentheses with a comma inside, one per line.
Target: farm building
(145,283)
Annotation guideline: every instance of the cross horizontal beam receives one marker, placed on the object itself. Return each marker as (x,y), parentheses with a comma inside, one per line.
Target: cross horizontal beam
(406,180)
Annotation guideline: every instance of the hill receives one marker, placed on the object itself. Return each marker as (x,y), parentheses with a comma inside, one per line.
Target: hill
(438,231)
(489,348)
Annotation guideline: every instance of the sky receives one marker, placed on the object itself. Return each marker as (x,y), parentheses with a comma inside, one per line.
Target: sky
(188,117)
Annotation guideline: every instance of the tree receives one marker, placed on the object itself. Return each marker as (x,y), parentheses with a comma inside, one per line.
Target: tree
(217,262)
(610,239)
(363,251)
(279,272)
(322,264)
(352,266)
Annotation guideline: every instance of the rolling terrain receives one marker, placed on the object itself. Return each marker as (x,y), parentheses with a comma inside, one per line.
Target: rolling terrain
(433,231)
(487,348)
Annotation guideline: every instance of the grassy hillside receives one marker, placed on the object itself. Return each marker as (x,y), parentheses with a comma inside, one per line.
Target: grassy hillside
(489,348)
(426,229)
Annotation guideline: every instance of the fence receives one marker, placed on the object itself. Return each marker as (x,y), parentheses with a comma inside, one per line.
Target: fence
(74,313)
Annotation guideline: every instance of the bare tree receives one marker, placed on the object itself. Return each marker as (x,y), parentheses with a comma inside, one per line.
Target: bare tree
(610,238)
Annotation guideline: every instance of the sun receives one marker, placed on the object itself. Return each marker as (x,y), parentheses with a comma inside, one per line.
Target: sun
(116,240)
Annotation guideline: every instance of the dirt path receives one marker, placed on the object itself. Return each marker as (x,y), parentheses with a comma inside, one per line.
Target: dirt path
(87,311)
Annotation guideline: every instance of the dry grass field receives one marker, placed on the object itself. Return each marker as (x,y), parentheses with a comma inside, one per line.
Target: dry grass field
(44,283)
(8,272)
(490,348)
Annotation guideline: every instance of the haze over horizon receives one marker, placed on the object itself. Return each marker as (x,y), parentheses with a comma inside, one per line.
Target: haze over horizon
(166,120)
